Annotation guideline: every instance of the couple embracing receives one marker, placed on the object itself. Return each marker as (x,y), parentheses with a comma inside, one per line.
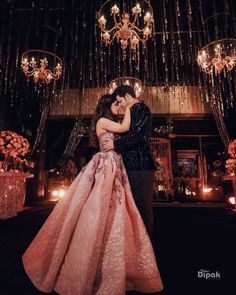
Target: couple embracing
(97,238)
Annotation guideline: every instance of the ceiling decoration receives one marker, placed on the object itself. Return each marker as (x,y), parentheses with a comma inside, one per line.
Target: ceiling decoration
(42,65)
(129,28)
(217,56)
(179,30)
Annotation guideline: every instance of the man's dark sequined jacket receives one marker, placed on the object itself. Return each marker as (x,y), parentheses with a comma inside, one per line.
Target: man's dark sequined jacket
(134,144)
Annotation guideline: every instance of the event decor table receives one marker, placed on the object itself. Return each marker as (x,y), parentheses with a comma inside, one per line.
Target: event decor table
(12,193)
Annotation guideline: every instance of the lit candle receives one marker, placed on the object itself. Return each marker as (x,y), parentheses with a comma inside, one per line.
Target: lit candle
(147,17)
(147,31)
(102,21)
(115,9)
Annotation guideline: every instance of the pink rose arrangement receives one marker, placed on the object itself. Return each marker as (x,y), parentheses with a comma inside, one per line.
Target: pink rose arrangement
(232,149)
(15,146)
(231,162)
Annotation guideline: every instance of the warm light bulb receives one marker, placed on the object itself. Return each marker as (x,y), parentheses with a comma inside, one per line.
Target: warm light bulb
(232,200)
(147,17)
(115,9)
(207,189)
(102,21)
(54,193)
(147,31)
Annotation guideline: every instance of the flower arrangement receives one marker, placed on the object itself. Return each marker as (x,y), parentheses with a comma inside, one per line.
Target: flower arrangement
(232,149)
(230,166)
(14,147)
(231,162)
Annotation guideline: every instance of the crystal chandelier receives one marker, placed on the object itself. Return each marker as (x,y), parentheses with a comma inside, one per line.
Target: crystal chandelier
(42,65)
(218,55)
(126,29)
(135,83)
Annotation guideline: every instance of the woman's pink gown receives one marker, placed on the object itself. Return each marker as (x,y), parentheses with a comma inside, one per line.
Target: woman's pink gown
(94,241)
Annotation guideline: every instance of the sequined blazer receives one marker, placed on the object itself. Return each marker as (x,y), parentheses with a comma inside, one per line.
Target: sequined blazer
(134,144)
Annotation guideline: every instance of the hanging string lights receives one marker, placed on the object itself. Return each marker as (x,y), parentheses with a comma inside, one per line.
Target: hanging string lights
(169,60)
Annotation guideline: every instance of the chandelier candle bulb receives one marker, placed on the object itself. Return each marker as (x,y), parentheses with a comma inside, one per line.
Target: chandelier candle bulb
(137,9)
(147,17)
(147,32)
(102,21)
(115,9)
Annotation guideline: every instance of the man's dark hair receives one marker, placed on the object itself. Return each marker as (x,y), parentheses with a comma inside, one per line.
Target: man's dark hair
(123,89)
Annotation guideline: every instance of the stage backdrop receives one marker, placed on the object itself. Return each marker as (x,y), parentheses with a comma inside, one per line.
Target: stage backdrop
(161,100)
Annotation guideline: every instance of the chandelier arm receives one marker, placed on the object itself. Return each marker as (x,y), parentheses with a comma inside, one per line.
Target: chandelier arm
(113,38)
(115,20)
(140,30)
(51,73)
(99,12)
(108,31)
(137,35)
(135,19)
(30,73)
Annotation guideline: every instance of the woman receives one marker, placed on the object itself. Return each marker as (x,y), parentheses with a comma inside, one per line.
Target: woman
(94,241)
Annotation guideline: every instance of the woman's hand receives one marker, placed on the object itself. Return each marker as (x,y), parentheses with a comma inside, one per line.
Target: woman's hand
(129,105)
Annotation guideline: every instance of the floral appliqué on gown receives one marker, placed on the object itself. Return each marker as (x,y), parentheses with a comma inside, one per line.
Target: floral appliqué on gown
(94,241)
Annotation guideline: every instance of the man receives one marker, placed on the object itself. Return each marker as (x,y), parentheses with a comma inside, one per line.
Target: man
(135,150)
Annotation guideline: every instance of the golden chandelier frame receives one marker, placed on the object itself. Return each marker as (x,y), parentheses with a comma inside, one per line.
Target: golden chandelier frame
(126,29)
(217,56)
(41,58)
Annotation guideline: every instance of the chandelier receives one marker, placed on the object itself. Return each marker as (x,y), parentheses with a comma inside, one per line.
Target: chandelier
(218,55)
(135,83)
(42,65)
(165,130)
(125,28)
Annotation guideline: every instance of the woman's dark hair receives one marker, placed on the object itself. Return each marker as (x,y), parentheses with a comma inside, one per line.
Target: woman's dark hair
(123,89)
(103,109)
